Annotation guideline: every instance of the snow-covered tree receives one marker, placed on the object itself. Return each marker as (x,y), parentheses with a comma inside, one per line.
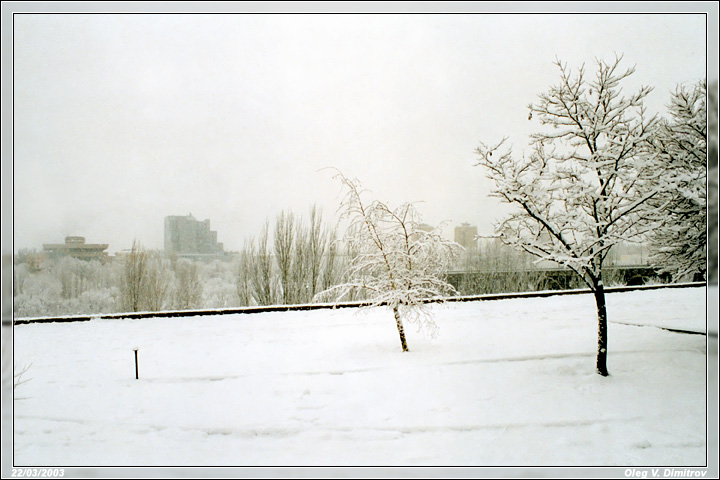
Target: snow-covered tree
(188,291)
(397,264)
(220,283)
(713,182)
(679,146)
(41,294)
(577,194)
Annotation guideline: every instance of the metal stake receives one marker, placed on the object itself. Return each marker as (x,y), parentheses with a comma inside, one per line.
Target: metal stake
(136,363)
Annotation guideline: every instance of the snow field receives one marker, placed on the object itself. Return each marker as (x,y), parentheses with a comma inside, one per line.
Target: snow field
(506,383)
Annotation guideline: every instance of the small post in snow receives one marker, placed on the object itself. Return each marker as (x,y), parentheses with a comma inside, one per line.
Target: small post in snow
(136,363)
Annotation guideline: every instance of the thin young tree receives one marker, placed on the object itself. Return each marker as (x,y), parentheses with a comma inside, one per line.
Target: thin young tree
(244,276)
(330,269)
(134,278)
(397,264)
(578,193)
(679,146)
(316,239)
(261,268)
(314,256)
(286,256)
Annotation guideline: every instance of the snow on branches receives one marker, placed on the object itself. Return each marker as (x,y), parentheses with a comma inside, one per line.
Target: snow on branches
(589,183)
(680,158)
(396,262)
(578,192)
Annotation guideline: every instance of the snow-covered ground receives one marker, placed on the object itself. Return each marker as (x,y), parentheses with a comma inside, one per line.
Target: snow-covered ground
(506,383)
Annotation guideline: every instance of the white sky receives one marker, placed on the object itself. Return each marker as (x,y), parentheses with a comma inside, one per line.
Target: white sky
(121,120)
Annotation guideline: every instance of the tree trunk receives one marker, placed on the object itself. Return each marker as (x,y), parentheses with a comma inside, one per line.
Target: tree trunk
(399,324)
(601,363)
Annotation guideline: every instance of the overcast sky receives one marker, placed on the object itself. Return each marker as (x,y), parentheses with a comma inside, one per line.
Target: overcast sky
(121,120)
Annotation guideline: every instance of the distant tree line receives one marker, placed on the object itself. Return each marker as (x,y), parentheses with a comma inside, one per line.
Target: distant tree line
(140,280)
(601,173)
(288,263)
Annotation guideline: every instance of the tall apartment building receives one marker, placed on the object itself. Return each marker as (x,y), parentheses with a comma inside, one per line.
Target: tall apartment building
(465,235)
(186,236)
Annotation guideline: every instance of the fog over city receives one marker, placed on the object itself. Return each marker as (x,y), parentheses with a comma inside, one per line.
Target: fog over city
(121,120)
(175,301)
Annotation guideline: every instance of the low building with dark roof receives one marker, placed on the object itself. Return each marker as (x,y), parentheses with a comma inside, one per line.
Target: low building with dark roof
(77,248)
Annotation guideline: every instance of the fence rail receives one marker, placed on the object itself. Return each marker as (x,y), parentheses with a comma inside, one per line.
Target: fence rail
(321,306)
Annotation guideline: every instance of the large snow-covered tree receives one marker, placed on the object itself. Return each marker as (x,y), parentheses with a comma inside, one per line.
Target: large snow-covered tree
(397,263)
(679,148)
(577,194)
(713,182)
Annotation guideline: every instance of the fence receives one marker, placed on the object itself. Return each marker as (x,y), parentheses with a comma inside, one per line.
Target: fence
(319,306)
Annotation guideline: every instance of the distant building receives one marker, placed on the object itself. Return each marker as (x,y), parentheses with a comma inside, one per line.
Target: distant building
(77,248)
(185,236)
(466,235)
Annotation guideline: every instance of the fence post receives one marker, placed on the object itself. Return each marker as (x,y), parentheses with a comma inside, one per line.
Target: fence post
(136,363)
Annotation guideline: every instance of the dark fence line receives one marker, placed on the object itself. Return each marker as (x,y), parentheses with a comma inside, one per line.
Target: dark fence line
(324,306)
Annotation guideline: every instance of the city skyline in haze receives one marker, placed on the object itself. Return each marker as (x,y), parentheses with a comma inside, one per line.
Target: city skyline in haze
(121,120)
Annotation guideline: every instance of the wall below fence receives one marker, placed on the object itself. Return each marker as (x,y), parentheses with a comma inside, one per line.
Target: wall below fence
(319,306)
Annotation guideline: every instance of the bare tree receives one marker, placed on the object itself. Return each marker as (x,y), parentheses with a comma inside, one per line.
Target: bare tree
(302,261)
(330,269)
(18,371)
(261,271)
(145,282)
(578,193)
(285,255)
(316,240)
(397,264)
(134,275)
(315,255)
(244,276)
